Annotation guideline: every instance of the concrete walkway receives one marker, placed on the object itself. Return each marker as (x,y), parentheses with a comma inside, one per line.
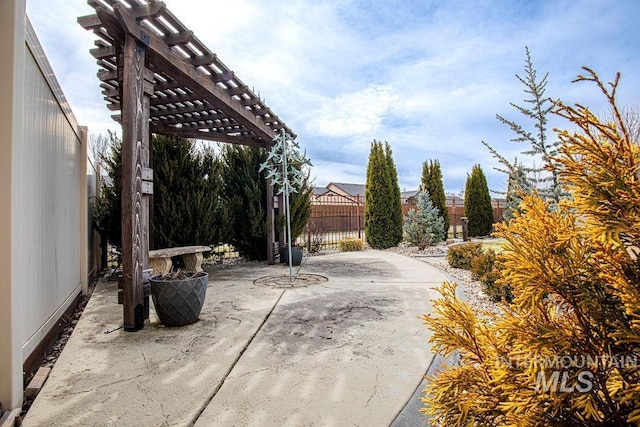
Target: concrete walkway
(349,351)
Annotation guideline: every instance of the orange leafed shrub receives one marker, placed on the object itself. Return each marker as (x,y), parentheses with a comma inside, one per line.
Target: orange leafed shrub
(567,351)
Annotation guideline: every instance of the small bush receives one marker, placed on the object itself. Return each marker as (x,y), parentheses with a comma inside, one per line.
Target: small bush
(496,291)
(486,269)
(350,244)
(482,264)
(460,256)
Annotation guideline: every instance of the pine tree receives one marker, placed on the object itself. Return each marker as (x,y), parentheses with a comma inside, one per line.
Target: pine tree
(245,192)
(477,203)
(379,216)
(424,225)
(396,207)
(544,178)
(517,186)
(518,183)
(432,184)
(566,350)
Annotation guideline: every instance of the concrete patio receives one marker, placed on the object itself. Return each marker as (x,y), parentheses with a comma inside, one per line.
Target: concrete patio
(348,351)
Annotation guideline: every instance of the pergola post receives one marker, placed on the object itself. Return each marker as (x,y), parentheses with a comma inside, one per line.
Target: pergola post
(271,230)
(135,181)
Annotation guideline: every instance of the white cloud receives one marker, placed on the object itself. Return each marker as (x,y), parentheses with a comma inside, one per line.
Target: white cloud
(428,77)
(352,114)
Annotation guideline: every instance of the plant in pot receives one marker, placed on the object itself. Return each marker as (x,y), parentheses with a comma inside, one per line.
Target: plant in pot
(287,168)
(178,296)
(300,208)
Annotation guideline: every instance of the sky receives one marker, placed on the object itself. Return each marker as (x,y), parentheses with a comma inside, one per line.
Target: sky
(427,76)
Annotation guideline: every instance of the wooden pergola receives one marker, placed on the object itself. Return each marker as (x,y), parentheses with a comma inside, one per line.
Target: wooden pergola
(163,80)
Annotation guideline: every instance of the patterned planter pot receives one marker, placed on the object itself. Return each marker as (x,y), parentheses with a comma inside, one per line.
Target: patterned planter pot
(296,255)
(179,302)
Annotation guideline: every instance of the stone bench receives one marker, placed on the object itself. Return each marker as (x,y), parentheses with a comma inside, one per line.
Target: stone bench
(160,259)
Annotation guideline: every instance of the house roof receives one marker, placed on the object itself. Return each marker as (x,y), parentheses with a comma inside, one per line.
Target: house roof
(350,189)
(407,194)
(319,191)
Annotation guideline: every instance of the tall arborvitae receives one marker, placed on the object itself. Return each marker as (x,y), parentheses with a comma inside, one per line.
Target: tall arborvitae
(396,206)
(245,192)
(477,203)
(188,209)
(379,204)
(432,184)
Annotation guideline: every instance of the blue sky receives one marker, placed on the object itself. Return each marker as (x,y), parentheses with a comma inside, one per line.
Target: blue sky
(426,76)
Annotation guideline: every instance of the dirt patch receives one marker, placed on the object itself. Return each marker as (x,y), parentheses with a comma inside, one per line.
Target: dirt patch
(318,323)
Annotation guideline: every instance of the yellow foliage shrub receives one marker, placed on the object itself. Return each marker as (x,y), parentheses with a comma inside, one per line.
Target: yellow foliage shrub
(350,244)
(567,351)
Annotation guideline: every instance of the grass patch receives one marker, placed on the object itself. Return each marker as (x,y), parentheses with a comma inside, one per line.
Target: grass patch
(494,244)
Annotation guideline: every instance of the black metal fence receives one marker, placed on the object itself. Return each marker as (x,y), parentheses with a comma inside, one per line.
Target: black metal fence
(335,217)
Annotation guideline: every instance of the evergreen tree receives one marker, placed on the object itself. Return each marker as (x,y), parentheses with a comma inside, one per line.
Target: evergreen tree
(245,192)
(517,186)
(300,208)
(477,203)
(545,179)
(107,211)
(188,207)
(379,206)
(518,183)
(433,185)
(187,204)
(396,207)
(574,273)
(424,225)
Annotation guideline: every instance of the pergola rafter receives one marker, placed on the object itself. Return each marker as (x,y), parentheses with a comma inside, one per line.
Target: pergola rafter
(162,79)
(184,71)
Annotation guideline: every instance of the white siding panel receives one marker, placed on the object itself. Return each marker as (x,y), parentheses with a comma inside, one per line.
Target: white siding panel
(48,188)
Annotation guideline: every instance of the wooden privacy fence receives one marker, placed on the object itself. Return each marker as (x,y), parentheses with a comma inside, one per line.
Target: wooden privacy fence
(334,217)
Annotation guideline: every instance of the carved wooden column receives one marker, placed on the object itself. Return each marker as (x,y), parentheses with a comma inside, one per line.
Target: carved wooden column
(135,181)
(271,231)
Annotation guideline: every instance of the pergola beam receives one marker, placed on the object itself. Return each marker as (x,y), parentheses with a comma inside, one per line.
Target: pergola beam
(160,53)
(207,136)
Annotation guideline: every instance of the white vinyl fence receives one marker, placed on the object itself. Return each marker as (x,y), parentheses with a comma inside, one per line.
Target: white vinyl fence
(49,194)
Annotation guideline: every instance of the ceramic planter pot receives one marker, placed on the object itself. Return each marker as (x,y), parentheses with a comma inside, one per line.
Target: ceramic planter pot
(178,302)
(296,255)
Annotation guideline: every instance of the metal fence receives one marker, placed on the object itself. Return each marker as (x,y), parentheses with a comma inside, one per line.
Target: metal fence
(334,217)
